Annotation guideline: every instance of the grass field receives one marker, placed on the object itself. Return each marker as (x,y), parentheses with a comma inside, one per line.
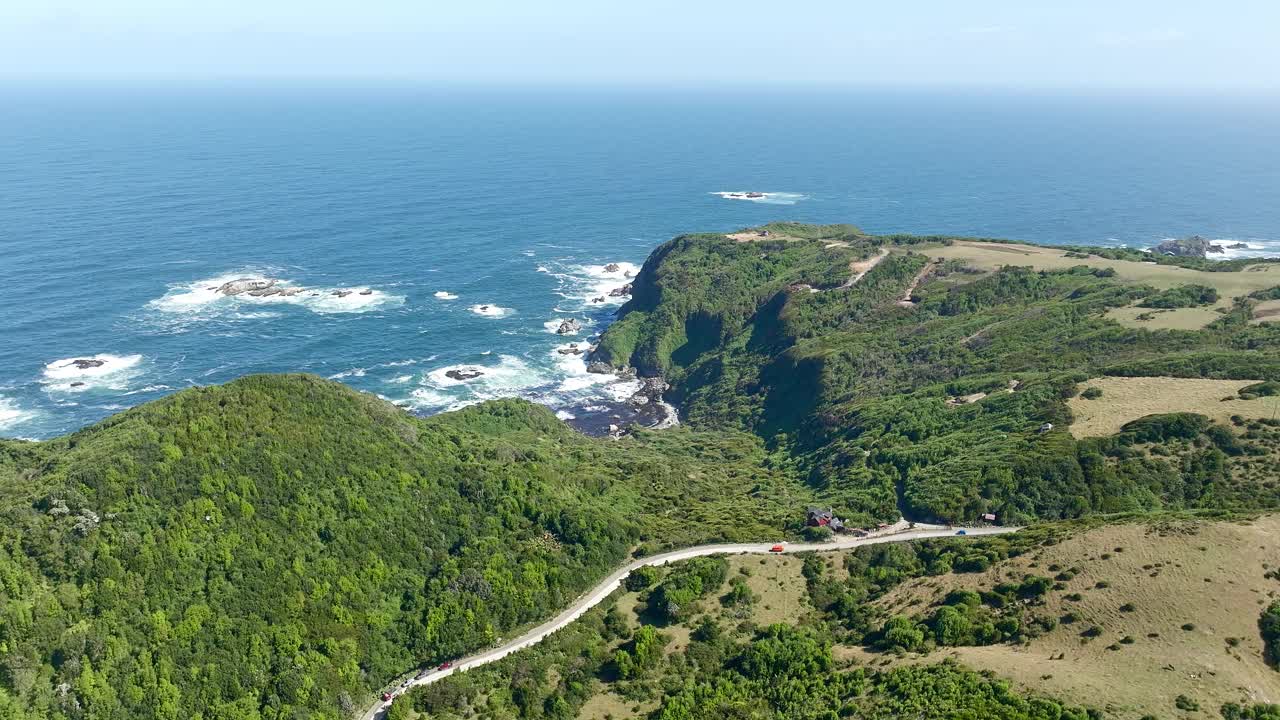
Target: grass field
(1266,311)
(1192,318)
(778,586)
(1230,285)
(1125,399)
(1206,576)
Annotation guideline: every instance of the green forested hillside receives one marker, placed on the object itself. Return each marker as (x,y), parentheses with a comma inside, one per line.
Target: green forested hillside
(279,546)
(927,382)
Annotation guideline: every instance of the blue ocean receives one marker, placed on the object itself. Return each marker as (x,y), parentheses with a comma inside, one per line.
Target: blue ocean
(419,236)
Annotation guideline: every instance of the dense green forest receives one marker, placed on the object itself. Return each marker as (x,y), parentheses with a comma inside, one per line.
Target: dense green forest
(860,388)
(280,546)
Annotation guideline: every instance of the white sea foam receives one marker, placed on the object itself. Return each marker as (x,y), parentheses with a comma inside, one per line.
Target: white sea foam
(202,299)
(766,198)
(509,377)
(590,286)
(446,295)
(427,399)
(566,415)
(111,372)
(13,415)
(576,381)
(400,379)
(353,372)
(605,281)
(552,326)
(151,389)
(1257,248)
(495,311)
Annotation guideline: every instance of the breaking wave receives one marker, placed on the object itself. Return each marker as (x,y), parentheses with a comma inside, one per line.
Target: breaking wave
(765,198)
(494,311)
(12,415)
(91,372)
(202,298)
(1253,248)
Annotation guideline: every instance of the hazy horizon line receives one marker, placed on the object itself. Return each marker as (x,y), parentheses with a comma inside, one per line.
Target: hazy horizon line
(53,81)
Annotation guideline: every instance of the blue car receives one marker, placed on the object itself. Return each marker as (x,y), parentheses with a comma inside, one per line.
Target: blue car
(961,532)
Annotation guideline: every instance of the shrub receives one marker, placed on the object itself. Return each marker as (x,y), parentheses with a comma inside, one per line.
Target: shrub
(1092,393)
(1185,296)
(642,578)
(1182,702)
(817,534)
(1269,626)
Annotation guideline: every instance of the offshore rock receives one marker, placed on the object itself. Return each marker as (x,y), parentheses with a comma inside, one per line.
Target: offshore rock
(244,285)
(463,374)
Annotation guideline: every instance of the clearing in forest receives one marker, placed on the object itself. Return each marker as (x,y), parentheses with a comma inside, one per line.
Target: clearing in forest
(1266,311)
(1128,398)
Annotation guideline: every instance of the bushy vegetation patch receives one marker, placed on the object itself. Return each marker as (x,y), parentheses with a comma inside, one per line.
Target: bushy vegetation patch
(1183,296)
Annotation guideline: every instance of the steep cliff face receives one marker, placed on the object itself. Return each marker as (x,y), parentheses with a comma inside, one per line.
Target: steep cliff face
(696,292)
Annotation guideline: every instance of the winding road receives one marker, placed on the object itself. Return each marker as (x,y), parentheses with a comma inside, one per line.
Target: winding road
(898,532)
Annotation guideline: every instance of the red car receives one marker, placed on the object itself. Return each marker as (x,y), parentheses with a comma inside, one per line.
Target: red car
(776,548)
(386,696)
(445,665)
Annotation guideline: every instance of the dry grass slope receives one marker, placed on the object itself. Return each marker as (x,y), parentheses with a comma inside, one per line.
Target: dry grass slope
(1230,285)
(1125,399)
(1207,576)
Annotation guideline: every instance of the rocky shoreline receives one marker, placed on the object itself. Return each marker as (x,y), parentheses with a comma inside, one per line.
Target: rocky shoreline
(1195,246)
(647,407)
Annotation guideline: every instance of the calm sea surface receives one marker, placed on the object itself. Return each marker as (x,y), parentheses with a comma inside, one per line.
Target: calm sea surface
(457,228)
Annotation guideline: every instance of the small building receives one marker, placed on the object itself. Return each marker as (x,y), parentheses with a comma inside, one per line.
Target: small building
(989,517)
(817,517)
(1046,427)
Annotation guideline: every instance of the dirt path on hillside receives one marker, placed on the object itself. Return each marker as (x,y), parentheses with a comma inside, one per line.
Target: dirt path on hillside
(859,268)
(915,283)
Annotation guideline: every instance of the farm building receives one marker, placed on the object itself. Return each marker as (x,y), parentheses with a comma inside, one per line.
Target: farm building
(817,517)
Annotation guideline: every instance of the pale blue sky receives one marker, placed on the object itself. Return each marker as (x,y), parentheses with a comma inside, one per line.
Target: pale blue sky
(1227,44)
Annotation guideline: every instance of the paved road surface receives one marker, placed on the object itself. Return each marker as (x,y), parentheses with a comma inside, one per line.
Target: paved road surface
(898,532)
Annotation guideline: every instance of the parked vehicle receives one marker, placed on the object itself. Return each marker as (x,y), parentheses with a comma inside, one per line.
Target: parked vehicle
(776,548)
(445,665)
(961,532)
(386,696)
